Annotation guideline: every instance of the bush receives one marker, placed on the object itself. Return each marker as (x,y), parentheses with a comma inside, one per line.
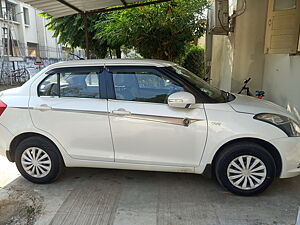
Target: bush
(194,61)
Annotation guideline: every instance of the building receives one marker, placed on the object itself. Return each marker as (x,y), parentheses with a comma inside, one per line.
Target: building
(262,43)
(25,41)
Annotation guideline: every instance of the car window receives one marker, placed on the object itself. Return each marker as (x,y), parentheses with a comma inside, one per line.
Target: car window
(205,88)
(49,87)
(79,84)
(71,84)
(144,86)
(92,79)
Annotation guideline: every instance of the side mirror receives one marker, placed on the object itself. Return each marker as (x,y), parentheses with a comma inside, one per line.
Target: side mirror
(181,100)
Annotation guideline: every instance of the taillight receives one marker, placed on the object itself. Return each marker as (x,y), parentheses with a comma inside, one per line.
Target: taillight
(3,106)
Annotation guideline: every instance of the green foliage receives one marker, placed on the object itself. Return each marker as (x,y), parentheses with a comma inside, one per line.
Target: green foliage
(158,31)
(70,31)
(194,61)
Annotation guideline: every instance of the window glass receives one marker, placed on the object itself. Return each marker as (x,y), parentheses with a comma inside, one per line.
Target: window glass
(144,86)
(26,16)
(32,49)
(1,12)
(49,86)
(92,79)
(284,4)
(72,84)
(205,88)
(11,11)
(79,84)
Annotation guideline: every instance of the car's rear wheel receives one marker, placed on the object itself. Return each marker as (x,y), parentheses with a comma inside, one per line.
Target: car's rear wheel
(245,168)
(38,160)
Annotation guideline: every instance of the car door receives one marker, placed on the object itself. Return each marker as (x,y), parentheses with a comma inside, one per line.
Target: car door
(68,105)
(145,129)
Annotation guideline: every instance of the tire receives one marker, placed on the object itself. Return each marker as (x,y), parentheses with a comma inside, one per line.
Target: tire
(231,174)
(47,169)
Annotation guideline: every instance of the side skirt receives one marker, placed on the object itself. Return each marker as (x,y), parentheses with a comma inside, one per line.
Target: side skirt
(128,166)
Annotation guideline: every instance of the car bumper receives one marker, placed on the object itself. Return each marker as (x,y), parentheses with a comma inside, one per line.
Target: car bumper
(289,149)
(5,138)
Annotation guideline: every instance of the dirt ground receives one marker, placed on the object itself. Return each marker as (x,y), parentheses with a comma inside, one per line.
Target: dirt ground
(19,206)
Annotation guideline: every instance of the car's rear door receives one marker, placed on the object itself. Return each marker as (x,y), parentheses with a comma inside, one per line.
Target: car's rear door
(145,129)
(68,104)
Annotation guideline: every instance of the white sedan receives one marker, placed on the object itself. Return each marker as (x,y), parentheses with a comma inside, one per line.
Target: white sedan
(145,115)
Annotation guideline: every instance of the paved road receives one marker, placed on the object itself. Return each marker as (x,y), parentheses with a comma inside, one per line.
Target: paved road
(116,197)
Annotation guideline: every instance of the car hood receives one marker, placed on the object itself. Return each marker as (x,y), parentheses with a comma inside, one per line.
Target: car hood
(253,105)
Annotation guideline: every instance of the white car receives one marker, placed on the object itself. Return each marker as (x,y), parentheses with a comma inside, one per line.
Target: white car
(145,115)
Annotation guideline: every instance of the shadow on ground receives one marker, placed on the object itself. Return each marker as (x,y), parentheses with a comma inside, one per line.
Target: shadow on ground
(120,197)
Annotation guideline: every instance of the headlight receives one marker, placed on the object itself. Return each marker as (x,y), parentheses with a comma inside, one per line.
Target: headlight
(286,124)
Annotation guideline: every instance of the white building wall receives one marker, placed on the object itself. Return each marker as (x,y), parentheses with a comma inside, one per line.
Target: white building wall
(35,32)
(48,44)
(281,81)
(241,55)
(31,29)
(222,62)
(249,45)
(222,56)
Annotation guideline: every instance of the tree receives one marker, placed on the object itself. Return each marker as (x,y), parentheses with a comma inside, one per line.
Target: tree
(70,31)
(158,31)
(194,60)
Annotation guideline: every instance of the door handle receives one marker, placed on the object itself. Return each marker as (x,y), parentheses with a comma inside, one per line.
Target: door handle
(121,112)
(42,107)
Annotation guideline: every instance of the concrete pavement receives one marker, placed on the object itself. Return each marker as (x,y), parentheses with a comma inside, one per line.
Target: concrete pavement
(120,197)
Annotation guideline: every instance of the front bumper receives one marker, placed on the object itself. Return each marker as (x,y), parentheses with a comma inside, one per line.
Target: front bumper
(289,149)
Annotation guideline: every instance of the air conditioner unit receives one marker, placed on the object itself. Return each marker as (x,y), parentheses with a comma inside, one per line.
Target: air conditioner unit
(218,17)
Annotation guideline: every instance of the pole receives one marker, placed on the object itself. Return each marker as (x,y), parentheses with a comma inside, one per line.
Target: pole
(87,44)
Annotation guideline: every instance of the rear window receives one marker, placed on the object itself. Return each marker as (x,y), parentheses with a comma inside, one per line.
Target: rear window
(83,84)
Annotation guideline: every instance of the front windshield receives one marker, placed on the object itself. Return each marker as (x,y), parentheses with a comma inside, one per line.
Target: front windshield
(205,88)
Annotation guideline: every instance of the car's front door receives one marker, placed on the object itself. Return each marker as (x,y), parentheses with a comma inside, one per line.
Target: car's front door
(68,105)
(144,128)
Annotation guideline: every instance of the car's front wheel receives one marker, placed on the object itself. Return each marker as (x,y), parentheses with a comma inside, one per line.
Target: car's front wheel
(245,168)
(38,160)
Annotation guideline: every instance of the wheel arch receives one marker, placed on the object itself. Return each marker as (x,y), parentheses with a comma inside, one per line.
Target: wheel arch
(267,145)
(19,138)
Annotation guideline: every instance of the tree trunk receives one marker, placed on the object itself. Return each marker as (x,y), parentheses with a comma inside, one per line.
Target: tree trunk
(110,54)
(118,52)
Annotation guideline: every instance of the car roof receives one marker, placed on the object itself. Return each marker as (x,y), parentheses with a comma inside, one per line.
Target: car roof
(112,62)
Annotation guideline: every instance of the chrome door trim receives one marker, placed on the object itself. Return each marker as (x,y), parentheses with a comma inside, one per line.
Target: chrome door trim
(80,111)
(69,110)
(160,119)
(182,121)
